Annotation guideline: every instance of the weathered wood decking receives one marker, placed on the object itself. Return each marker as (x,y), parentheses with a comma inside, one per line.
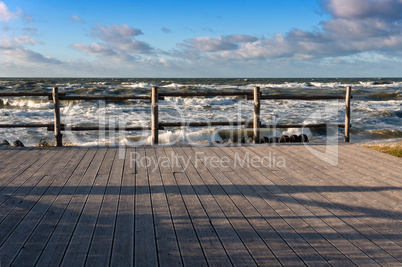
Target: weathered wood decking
(193,206)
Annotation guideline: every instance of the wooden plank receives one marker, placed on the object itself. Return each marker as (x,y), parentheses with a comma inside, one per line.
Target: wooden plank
(370,212)
(366,204)
(123,241)
(194,94)
(235,249)
(300,97)
(188,240)
(389,169)
(57,121)
(145,250)
(307,125)
(210,242)
(386,168)
(56,246)
(97,128)
(304,250)
(350,233)
(387,191)
(379,156)
(257,114)
(15,94)
(347,113)
(26,125)
(102,240)
(106,97)
(297,216)
(250,214)
(77,250)
(352,165)
(231,203)
(6,153)
(21,219)
(21,187)
(168,248)
(10,155)
(16,166)
(154,116)
(32,233)
(202,124)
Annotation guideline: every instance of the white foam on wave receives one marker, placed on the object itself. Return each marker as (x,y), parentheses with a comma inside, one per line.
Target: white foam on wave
(194,101)
(137,85)
(173,86)
(186,136)
(38,104)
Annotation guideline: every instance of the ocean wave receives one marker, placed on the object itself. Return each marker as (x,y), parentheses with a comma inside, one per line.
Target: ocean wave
(138,85)
(384,96)
(30,103)
(376,105)
(385,133)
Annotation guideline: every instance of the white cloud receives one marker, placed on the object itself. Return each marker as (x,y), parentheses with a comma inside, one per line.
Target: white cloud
(360,9)
(220,43)
(5,13)
(118,42)
(95,49)
(75,18)
(12,49)
(355,26)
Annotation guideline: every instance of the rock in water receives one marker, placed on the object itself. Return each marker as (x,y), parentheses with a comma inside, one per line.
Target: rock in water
(284,139)
(18,143)
(4,143)
(294,138)
(274,140)
(303,138)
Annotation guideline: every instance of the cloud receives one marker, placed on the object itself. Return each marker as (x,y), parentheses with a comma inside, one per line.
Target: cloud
(95,49)
(75,18)
(123,32)
(362,9)
(355,26)
(12,49)
(5,13)
(220,43)
(166,30)
(117,41)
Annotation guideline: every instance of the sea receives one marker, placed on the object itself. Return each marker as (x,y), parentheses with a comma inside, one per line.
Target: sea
(376,109)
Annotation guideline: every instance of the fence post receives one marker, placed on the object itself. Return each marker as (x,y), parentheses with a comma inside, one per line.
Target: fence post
(257,109)
(154,119)
(347,113)
(57,123)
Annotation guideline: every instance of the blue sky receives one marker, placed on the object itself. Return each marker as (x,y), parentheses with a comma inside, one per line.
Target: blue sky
(237,38)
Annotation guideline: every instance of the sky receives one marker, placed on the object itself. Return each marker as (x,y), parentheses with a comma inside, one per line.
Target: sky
(209,38)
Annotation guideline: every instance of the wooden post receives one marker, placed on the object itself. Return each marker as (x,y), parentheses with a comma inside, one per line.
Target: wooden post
(155,119)
(257,109)
(57,123)
(347,113)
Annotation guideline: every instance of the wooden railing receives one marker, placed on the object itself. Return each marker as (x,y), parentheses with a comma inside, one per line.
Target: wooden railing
(157,125)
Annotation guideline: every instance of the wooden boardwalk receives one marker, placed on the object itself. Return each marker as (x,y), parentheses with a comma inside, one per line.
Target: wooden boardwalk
(199,206)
